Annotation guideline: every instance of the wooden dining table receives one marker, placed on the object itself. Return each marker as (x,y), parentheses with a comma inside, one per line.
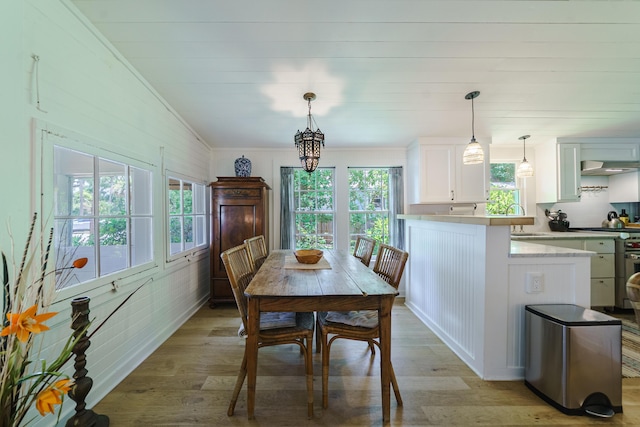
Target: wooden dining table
(346,285)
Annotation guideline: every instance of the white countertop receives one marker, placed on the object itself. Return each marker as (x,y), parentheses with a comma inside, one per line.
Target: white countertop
(530,249)
(474,219)
(563,235)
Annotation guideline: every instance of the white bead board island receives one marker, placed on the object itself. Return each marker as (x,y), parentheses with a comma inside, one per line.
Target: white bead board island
(469,283)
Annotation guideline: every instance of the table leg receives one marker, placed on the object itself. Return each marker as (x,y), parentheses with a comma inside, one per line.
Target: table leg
(384,322)
(252,353)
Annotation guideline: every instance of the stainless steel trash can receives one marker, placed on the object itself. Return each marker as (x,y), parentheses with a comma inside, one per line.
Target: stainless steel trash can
(573,358)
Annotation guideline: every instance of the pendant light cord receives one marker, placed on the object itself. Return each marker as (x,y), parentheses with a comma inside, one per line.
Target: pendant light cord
(473,118)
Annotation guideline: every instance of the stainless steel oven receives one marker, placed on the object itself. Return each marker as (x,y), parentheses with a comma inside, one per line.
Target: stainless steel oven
(627,264)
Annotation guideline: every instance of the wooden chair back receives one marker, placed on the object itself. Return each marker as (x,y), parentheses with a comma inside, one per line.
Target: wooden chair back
(364,249)
(390,264)
(240,272)
(257,250)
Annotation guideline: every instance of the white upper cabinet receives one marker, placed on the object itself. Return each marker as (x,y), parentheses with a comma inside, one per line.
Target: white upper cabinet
(557,172)
(436,175)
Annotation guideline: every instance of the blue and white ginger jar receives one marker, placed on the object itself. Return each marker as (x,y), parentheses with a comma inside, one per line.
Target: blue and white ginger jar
(243,167)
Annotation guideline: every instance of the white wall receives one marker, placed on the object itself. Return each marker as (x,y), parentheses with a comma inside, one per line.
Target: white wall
(88,90)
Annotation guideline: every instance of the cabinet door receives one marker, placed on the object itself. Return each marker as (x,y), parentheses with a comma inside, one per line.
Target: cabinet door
(568,172)
(437,173)
(602,293)
(472,181)
(603,265)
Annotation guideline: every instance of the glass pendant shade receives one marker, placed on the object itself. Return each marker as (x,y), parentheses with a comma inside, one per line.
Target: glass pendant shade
(308,142)
(473,152)
(525,170)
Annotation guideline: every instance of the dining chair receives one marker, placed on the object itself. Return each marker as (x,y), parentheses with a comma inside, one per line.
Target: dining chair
(257,249)
(364,249)
(275,328)
(361,325)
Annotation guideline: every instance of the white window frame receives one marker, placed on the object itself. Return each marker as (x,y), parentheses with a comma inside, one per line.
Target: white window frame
(200,214)
(297,191)
(47,138)
(385,203)
(518,186)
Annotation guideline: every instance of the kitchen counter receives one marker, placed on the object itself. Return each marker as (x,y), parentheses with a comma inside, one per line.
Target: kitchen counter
(530,249)
(474,219)
(564,235)
(470,269)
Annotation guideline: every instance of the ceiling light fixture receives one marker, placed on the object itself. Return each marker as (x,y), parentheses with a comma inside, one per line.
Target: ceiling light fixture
(308,142)
(473,153)
(525,170)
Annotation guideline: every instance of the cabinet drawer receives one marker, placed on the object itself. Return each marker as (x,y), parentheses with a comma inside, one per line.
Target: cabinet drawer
(603,246)
(231,193)
(603,265)
(602,292)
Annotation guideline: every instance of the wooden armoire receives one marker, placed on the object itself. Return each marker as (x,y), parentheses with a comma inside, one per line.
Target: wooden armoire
(240,209)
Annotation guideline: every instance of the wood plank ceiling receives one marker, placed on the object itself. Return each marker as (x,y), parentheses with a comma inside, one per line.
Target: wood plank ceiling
(385,71)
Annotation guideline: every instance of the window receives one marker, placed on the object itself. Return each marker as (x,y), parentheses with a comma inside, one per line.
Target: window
(504,193)
(368,204)
(187,219)
(102,211)
(314,208)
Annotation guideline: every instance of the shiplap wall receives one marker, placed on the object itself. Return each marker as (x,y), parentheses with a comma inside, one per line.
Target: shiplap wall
(86,89)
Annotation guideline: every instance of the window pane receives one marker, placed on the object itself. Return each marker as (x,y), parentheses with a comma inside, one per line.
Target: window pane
(141,241)
(199,206)
(141,198)
(187,197)
(188,232)
(314,206)
(369,204)
(112,192)
(74,239)
(73,183)
(175,234)
(113,245)
(201,230)
(504,194)
(175,199)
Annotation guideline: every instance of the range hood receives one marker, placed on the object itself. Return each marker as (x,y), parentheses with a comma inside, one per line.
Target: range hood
(607,167)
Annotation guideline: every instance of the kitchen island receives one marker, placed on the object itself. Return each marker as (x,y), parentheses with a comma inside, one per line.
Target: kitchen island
(469,283)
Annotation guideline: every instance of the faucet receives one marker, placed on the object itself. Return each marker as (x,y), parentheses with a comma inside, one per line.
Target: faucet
(506,212)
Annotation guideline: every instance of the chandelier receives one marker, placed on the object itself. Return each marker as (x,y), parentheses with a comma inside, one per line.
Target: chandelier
(308,142)
(525,169)
(473,153)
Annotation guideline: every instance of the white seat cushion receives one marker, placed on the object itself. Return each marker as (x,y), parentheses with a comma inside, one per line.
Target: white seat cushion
(363,318)
(273,320)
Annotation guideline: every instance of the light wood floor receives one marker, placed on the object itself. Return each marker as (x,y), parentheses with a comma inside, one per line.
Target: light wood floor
(188,382)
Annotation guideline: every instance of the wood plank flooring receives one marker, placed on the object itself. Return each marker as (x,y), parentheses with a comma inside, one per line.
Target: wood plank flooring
(188,381)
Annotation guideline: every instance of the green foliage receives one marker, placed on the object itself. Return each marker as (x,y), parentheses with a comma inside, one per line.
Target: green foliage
(500,201)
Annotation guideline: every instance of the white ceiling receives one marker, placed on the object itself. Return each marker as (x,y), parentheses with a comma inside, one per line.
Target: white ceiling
(385,71)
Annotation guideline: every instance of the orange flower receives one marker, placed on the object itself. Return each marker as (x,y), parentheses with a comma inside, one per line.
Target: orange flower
(80,262)
(27,322)
(52,396)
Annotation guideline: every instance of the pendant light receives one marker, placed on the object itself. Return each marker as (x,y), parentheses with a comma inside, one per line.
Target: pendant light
(308,142)
(473,153)
(525,170)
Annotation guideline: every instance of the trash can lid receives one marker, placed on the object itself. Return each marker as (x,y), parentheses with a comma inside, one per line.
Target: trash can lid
(572,315)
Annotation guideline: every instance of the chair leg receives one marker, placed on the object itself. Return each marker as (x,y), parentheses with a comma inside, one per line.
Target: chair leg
(308,361)
(236,391)
(318,338)
(394,383)
(325,370)
(372,348)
